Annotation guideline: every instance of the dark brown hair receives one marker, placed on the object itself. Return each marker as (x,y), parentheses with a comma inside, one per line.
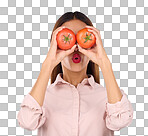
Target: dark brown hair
(92,68)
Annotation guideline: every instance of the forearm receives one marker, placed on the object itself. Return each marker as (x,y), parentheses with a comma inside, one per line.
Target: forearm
(113,91)
(39,88)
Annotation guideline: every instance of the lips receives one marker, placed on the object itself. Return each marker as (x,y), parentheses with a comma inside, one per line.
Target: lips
(76,58)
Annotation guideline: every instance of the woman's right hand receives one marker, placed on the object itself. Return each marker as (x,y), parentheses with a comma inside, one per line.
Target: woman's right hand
(55,55)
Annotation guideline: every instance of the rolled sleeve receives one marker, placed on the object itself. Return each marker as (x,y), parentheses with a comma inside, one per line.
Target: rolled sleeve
(119,114)
(31,115)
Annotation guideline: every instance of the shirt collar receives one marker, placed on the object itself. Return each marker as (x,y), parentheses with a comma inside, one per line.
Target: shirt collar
(89,81)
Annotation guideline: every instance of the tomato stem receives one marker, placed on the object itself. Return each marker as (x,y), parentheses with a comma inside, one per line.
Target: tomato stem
(67,39)
(87,37)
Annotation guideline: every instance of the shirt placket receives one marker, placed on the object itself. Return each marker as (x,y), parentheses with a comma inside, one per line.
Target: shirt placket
(75,123)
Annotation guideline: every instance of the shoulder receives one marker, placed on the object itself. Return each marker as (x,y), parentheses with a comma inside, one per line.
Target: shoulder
(99,86)
(100,89)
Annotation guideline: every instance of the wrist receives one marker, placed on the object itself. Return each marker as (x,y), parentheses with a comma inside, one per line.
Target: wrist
(105,63)
(47,65)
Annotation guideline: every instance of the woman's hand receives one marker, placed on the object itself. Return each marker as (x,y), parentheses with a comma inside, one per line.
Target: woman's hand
(97,53)
(55,55)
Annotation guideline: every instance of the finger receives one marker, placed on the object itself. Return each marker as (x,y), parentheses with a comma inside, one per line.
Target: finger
(67,52)
(55,32)
(63,53)
(96,34)
(93,29)
(82,50)
(53,43)
(98,37)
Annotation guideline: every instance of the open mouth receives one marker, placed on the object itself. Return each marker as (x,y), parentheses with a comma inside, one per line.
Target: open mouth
(76,58)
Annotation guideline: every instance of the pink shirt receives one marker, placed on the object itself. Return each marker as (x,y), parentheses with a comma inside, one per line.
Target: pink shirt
(71,111)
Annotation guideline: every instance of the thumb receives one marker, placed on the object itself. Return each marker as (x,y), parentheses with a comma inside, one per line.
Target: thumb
(82,50)
(64,53)
(67,52)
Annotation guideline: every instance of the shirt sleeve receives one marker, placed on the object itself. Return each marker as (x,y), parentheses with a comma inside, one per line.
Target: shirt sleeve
(119,114)
(31,115)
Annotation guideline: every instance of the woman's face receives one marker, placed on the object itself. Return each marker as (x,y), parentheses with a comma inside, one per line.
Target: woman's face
(75,26)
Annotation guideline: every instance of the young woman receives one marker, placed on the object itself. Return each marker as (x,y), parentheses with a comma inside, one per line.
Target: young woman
(75,104)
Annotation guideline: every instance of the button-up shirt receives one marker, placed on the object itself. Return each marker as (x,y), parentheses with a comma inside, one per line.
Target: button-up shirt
(75,111)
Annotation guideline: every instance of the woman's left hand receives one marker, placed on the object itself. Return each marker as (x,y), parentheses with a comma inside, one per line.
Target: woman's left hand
(97,53)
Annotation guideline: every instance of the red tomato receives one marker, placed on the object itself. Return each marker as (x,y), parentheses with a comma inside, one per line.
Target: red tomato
(66,39)
(85,38)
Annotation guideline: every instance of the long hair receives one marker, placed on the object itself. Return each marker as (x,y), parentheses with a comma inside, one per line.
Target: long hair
(92,68)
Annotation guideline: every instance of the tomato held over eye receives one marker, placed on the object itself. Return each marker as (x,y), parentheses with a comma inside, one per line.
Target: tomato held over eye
(66,39)
(85,38)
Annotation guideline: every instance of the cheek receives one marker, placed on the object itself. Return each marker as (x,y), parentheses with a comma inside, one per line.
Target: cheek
(85,59)
(65,60)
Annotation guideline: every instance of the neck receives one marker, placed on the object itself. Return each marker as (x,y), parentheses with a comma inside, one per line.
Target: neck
(74,78)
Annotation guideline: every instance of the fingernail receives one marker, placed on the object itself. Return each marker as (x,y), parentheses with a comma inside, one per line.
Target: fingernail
(90,30)
(62,27)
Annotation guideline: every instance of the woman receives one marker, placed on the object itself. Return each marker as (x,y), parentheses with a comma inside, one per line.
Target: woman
(75,104)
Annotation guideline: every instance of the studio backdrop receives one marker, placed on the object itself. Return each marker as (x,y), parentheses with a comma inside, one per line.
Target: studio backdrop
(25,32)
